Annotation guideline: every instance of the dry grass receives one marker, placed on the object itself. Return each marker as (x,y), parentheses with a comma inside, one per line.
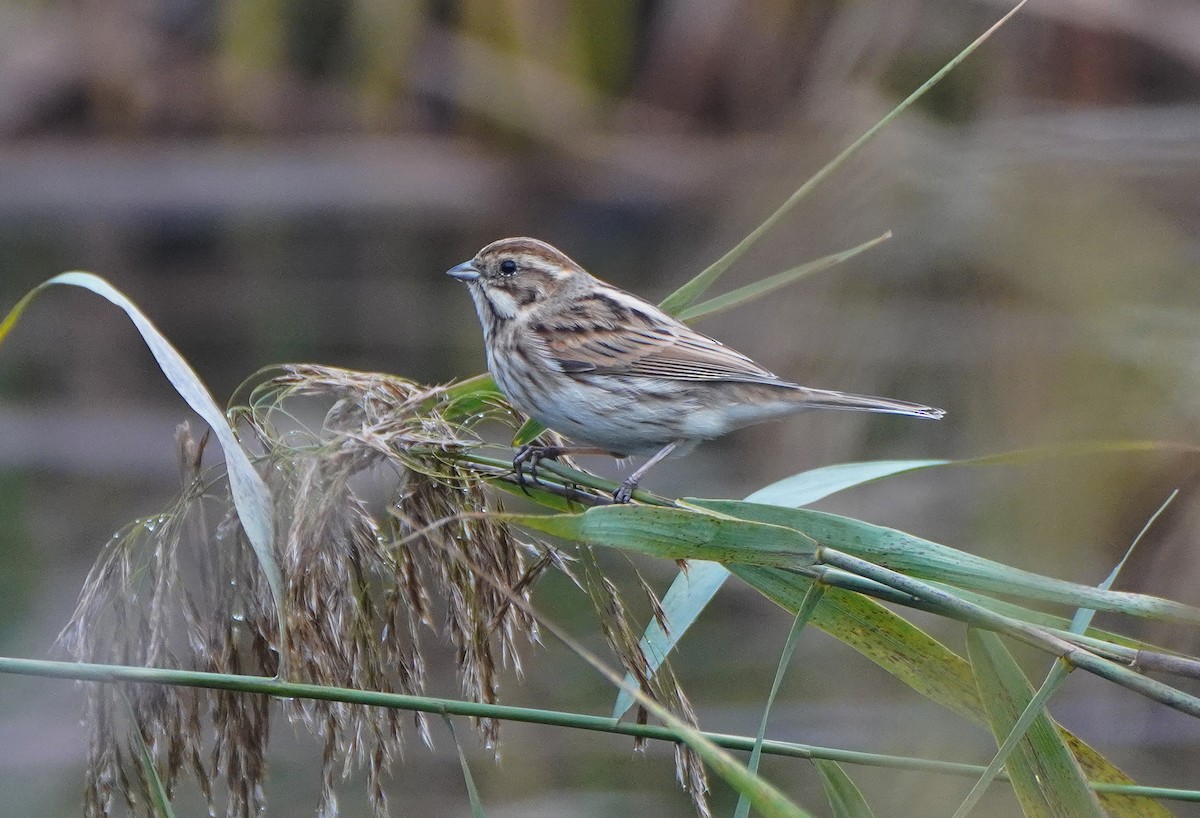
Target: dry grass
(382,531)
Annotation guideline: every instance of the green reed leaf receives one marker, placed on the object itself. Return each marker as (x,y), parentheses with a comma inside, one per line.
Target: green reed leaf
(751,292)
(698,582)
(529,432)
(817,484)
(674,533)
(1033,710)
(1045,776)
(885,638)
(1054,680)
(251,497)
(160,801)
(925,665)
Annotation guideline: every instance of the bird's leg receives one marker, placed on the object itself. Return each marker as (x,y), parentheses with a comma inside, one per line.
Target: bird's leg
(625,491)
(529,455)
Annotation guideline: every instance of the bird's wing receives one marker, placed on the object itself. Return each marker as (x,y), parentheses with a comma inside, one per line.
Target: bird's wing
(609,332)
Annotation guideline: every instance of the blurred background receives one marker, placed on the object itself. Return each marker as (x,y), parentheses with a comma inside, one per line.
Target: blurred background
(287,180)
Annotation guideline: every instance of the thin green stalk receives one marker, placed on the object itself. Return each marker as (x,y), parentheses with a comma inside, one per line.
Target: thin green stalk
(812,598)
(86,672)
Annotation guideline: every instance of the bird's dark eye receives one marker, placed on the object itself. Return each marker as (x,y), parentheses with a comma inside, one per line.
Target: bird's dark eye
(508,266)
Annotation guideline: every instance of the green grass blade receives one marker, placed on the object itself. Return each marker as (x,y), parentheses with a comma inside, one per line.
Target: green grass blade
(1083,617)
(158,793)
(675,533)
(688,595)
(251,497)
(817,484)
(17,311)
(689,292)
(472,792)
(844,797)
(1117,808)
(1044,773)
(473,385)
(758,289)
(1055,678)
(866,576)
(528,433)
(469,397)
(811,599)
(1058,675)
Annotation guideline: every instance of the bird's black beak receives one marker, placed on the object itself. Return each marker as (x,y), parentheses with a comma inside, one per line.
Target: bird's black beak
(464,272)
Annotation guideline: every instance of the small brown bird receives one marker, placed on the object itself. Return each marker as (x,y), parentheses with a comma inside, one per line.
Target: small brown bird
(612,371)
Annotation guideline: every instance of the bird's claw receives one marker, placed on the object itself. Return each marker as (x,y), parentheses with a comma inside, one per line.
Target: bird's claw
(526,461)
(624,492)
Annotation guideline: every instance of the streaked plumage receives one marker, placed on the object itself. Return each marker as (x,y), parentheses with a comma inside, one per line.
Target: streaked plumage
(614,372)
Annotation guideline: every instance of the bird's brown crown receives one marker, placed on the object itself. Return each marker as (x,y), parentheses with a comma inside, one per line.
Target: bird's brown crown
(523,257)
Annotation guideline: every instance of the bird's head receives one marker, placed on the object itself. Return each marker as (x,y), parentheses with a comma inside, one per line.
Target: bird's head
(511,277)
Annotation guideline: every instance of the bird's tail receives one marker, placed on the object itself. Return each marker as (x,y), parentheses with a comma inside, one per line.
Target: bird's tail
(829,399)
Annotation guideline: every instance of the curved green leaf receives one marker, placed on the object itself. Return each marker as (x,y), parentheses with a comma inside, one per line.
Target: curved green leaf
(251,497)
(817,484)
(469,397)
(1034,709)
(811,600)
(528,433)
(694,587)
(885,638)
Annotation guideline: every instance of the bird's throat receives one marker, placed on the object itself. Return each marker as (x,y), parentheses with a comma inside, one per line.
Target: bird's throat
(498,304)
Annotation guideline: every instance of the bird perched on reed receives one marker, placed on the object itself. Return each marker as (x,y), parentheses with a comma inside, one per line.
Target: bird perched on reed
(615,373)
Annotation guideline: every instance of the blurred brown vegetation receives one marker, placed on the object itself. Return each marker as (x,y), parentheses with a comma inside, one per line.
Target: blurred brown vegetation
(286,180)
